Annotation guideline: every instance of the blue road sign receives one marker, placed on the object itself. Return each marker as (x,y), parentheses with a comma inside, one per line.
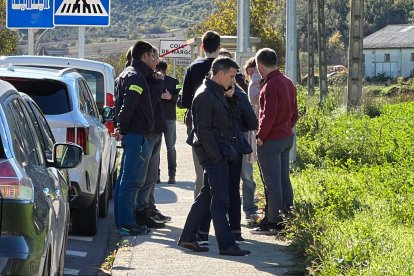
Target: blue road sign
(82,12)
(30,14)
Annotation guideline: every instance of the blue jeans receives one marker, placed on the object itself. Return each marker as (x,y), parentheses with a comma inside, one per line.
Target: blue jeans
(248,187)
(170,137)
(273,158)
(133,158)
(149,174)
(214,197)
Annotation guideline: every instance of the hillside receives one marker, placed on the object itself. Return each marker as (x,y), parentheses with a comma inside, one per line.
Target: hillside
(133,19)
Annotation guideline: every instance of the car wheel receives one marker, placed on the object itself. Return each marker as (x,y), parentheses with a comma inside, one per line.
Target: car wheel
(85,221)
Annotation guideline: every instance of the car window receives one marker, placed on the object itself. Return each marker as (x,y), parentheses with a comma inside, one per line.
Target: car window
(51,96)
(96,83)
(42,129)
(26,143)
(90,103)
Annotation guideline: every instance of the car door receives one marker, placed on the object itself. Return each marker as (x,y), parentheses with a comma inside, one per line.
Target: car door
(60,181)
(99,137)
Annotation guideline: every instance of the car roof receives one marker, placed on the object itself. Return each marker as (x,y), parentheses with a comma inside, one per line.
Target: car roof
(37,73)
(55,61)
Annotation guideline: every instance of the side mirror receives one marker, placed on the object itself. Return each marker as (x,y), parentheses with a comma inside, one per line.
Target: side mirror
(66,155)
(108,114)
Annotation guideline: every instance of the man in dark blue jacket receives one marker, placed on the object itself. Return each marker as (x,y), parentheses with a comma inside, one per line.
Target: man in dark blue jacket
(135,119)
(215,145)
(168,102)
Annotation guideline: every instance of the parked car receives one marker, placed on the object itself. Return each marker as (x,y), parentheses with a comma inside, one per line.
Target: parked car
(66,100)
(100,77)
(34,194)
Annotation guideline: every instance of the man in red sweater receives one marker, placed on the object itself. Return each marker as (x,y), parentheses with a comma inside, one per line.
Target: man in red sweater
(278,114)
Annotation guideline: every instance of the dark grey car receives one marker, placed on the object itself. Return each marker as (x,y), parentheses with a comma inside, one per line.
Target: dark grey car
(34,204)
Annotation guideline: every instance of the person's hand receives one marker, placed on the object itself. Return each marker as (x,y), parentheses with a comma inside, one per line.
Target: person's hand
(118,136)
(229,93)
(259,141)
(166,95)
(158,76)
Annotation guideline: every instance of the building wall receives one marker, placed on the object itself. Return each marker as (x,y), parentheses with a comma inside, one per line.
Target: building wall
(399,64)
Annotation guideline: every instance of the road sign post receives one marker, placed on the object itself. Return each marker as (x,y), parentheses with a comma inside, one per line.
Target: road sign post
(82,12)
(30,14)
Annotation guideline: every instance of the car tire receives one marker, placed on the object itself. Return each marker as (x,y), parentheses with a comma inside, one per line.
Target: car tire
(85,221)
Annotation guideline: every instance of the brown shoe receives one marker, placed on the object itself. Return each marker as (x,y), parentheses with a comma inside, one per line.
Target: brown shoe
(171,180)
(194,246)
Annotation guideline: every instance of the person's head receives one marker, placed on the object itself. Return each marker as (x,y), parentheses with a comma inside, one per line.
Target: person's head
(210,41)
(249,66)
(147,53)
(224,71)
(162,66)
(224,52)
(128,57)
(266,61)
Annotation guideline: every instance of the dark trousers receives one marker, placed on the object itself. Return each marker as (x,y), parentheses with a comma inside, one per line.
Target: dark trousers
(214,198)
(234,197)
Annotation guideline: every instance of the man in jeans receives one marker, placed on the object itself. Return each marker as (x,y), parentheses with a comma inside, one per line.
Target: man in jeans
(278,114)
(169,99)
(135,119)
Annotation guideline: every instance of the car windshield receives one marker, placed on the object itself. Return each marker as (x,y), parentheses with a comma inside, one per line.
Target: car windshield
(51,96)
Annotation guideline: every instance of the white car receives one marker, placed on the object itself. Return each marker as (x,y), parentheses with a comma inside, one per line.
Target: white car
(100,77)
(67,102)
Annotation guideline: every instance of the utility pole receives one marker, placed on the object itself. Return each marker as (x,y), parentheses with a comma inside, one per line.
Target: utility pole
(355,54)
(243,26)
(291,54)
(323,78)
(311,54)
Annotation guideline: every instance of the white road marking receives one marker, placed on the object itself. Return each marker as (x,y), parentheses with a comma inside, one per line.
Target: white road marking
(76,253)
(80,238)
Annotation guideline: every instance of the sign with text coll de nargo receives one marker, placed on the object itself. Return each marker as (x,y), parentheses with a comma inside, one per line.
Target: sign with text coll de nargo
(46,14)
(174,49)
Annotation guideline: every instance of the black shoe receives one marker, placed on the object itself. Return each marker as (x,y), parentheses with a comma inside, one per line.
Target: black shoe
(238,238)
(268,229)
(133,230)
(144,219)
(171,180)
(192,246)
(156,215)
(234,251)
(202,239)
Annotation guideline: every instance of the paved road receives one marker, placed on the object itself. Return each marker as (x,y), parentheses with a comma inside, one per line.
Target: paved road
(158,254)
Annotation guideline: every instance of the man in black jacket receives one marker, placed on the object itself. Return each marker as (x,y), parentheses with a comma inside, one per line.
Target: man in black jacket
(215,145)
(135,119)
(169,99)
(193,78)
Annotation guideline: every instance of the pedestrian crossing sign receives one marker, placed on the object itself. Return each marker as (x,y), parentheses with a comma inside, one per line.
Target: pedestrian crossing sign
(28,14)
(82,12)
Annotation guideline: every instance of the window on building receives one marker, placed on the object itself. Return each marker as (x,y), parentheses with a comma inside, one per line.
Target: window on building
(387,58)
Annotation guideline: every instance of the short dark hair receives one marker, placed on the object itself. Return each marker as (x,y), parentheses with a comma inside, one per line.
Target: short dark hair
(250,63)
(211,41)
(162,65)
(224,52)
(223,63)
(267,57)
(140,48)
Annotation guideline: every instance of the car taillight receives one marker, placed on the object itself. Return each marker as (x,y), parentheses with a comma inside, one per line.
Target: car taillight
(12,184)
(111,103)
(81,134)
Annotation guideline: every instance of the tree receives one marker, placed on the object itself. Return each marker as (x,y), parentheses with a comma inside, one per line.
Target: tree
(266,22)
(336,49)
(8,38)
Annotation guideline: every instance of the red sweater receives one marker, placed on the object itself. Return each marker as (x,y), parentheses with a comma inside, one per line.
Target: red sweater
(278,107)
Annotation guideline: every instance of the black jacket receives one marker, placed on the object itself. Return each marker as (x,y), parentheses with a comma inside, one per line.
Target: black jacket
(157,88)
(194,76)
(134,112)
(213,122)
(173,86)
